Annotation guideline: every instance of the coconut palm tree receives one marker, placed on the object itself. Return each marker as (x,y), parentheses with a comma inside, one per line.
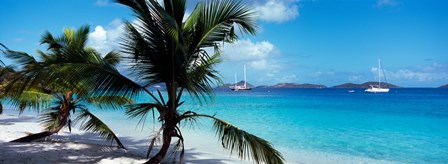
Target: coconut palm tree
(57,98)
(3,49)
(165,49)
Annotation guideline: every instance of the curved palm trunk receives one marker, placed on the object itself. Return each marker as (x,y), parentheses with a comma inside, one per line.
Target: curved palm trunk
(167,135)
(63,117)
(39,135)
(32,137)
(168,132)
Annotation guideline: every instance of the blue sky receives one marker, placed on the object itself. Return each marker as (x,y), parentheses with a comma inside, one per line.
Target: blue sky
(326,42)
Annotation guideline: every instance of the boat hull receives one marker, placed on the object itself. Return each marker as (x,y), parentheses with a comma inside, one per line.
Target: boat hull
(377,90)
(236,88)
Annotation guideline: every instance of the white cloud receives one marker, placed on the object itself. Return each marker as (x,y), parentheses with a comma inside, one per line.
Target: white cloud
(18,40)
(426,73)
(288,79)
(274,78)
(106,39)
(98,37)
(246,50)
(316,74)
(278,10)
(354,77)
(258,55)
(383,3)
(102,2)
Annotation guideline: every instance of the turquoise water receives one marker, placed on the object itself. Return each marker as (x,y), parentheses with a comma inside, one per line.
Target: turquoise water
(403,126)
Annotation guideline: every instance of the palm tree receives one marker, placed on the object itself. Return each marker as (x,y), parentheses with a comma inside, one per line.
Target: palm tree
(162,48)
(57,98)
(2,71)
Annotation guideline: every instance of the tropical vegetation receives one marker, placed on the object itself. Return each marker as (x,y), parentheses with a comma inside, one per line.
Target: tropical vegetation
(163,46)
(57,99)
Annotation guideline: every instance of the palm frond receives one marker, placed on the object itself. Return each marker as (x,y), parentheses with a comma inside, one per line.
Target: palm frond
(176,9)
(212,22)
(146,42)
(114,102)
(51,119)
(141,110)
(33,99)
(245,144)
(202,75)
(53,44)
(21,58)
(113,58)
(90,122)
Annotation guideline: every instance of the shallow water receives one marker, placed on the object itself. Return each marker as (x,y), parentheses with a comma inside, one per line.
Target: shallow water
(405,125)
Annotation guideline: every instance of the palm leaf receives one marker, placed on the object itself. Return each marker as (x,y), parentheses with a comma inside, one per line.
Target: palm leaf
(212,21)
(90,122)
(21,58)
(141,110)
(201,76)
(113,58)
(51,119)
(33,99)
(245,144)
(114,102)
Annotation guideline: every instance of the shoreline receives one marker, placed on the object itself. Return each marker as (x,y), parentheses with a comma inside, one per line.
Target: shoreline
(85,147)
(79,146)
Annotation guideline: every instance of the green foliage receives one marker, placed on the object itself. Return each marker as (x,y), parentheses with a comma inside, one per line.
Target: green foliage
(108,102)
(160,48)
(90,122)
(51,118)
(164,49)
(63,71)
(246,144)
(33,99)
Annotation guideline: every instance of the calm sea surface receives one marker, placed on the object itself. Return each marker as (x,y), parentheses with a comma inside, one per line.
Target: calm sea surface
(402,126)
(405,125)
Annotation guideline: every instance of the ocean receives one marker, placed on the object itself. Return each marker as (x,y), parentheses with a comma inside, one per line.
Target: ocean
(406,125)
(402,126)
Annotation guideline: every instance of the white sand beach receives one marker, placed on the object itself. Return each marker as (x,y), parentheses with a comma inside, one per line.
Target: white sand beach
(78,147)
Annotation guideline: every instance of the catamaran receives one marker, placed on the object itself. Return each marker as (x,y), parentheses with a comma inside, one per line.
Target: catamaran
(236,87)
(377,88)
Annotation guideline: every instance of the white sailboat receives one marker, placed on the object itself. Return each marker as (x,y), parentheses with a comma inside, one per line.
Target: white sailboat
(377,88)
(244,87)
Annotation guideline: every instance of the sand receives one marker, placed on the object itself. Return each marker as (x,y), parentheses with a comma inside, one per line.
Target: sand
(79,147)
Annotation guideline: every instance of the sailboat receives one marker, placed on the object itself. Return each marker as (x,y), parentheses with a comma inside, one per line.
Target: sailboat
(236,87)
(377,88)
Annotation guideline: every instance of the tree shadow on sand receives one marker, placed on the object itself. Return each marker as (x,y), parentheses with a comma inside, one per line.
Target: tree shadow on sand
(87,147)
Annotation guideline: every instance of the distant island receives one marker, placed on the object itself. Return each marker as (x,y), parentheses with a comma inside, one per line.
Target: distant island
(444,86)
(365,85)
(240,83)
(293,85)
(307,85)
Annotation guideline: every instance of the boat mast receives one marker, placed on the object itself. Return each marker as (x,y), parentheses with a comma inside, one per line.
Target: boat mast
(379,73)
(244,76)
(236,82)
